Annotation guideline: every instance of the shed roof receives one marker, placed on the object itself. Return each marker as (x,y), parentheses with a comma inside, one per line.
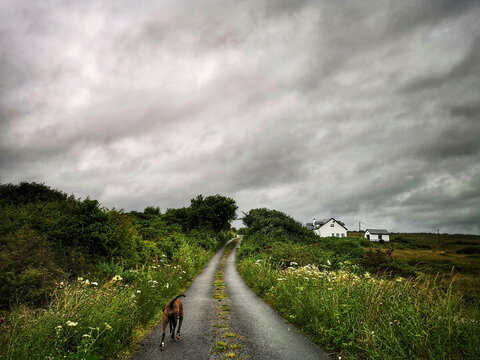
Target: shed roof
(378,231)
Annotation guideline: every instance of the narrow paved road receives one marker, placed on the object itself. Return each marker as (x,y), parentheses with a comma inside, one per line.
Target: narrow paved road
(266,335)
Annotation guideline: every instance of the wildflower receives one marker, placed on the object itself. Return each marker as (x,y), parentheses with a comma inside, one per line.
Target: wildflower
(86,335)
(184,271)
(80,279)
(328,262)
(293,263)
(367,275)
(399,279)
(108,327)
(87,282)
(117,278)
(72,323)
(139,291)
(94,283)
(62,283)
(167,285)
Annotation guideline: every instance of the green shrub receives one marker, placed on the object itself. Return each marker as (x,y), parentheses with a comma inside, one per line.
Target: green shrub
(277,225)
(469,250)
(28,269)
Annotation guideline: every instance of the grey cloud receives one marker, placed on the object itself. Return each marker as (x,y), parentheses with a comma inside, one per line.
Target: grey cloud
(470,111)
(359,110)
(470,64)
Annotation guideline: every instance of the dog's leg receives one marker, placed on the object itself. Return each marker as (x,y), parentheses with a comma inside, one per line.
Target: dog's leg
(164,326)
(180,320)
(174,325)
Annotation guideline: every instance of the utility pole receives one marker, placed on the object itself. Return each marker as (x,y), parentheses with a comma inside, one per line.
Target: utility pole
(359,228)
(438,236)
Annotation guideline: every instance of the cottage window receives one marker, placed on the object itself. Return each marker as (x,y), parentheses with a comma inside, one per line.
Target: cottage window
(332,224)
(333,235)
(338,235)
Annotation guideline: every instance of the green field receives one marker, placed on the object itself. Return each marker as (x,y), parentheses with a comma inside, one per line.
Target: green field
(455,258)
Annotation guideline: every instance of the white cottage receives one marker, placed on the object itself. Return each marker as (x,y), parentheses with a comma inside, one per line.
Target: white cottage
(328,227)
(377,235)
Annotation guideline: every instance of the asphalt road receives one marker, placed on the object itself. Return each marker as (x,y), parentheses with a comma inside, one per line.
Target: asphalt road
(266,335)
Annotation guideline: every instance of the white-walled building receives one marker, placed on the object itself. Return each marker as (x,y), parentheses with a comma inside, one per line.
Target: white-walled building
(328,227)
(377,235)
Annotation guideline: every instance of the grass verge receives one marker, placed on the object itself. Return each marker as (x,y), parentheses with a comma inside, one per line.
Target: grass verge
(360,316)
(94,320)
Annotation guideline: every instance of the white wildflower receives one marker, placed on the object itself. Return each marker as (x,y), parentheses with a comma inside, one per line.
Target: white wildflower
(72,323)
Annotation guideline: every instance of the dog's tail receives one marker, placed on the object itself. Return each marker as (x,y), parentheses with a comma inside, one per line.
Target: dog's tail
(175,299)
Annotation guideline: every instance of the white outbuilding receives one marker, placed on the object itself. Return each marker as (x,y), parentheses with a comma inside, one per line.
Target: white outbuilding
(328,227)
(377,235)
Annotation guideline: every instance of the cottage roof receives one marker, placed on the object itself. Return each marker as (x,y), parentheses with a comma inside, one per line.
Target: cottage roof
(321,222)
(378,231)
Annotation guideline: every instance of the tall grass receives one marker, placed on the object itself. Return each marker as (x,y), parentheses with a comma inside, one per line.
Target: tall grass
(91,319)
(363,317)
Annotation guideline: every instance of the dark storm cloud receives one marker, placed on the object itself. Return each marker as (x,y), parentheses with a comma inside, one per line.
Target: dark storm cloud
(367,111)
(469,65)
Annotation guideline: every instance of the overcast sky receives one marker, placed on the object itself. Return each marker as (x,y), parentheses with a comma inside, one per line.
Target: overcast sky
(361,110)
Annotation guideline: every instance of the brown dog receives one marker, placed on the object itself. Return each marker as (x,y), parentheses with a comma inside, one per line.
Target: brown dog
(171,312)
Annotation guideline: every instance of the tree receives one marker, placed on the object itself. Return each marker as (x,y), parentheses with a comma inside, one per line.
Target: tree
(25,192)
(214,212)
(152,210)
